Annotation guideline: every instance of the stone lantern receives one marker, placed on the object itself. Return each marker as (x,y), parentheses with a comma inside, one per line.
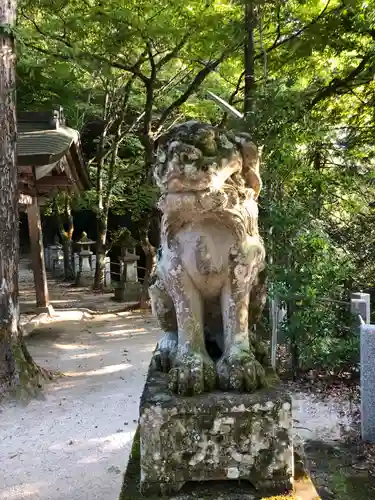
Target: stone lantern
(84,275)
(129,260)
(54,255)
(129,288)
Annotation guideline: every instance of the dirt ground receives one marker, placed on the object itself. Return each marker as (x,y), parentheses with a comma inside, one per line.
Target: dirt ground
(74,443)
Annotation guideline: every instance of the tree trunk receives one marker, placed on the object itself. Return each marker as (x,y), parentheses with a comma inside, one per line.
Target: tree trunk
(318,162)
(249,58)
(294,340)
(67,244)
(148,249)
(37,252)
(17,369)
(102,225)
(150,255)
(66,236)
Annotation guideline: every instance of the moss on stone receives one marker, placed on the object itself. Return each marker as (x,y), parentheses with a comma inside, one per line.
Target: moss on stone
(229,490)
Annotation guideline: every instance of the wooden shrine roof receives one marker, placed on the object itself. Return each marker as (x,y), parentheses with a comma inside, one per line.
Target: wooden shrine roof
(49,156)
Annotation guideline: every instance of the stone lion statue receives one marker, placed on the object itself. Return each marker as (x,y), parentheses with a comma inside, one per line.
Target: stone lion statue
(209,261)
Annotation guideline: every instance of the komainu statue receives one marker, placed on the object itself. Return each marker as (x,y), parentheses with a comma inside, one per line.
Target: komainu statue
(210,259)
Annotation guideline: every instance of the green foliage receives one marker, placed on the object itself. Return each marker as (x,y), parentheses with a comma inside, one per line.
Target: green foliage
(122,237)
(313,112)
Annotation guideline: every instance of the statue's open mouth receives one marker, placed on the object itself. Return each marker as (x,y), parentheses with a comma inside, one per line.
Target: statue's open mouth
(182,184)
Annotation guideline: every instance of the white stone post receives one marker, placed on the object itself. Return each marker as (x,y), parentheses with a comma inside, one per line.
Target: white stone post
(367,367)
(107,272)
(360,305)
(58,263)
(76,263)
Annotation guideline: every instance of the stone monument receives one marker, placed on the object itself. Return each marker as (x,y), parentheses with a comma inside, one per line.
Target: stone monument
(129,289)
(209,411)
(84,275)
(54,257)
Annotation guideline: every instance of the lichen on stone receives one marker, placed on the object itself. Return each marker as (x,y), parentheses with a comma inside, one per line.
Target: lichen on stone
(216,436)
(210,259)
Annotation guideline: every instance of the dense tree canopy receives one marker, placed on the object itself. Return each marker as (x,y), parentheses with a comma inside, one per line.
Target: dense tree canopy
(305,68)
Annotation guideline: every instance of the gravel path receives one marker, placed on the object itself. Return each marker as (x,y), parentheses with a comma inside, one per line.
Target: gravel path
(74,444)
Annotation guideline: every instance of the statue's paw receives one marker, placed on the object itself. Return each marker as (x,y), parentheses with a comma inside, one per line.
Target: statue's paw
(165,352)
(238,370)
(193,373)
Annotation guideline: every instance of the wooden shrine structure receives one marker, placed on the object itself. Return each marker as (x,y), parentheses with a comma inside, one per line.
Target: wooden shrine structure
(49,159)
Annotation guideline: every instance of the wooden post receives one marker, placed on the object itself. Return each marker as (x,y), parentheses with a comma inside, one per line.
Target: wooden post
(37,252)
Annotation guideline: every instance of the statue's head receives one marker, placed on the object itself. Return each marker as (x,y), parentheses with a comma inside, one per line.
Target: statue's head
(194,157)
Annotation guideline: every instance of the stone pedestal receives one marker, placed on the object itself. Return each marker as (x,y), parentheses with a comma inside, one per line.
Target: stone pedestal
(367,368)
(215,436)
(129,266)
(89,272)
(58,264)
(128,288)
(128,292)
(85,273)
(53,253)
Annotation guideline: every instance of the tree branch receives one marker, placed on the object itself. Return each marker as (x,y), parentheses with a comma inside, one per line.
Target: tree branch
(194,85)
(337,85)
(147,118)
(232,98)
(171,55)
(56,38)
(130,68)
(279,42)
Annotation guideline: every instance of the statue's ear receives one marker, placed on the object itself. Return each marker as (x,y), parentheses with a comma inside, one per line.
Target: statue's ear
(251,157)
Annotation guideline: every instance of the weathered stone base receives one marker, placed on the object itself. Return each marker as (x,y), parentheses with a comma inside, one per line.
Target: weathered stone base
(216,436)
(128,292)
(304,488)
(84,279)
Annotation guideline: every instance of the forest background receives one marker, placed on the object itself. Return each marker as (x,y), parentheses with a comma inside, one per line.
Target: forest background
(302,72)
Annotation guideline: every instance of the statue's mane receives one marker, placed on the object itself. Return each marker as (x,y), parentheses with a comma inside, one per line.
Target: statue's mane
(234,203)
(233,206)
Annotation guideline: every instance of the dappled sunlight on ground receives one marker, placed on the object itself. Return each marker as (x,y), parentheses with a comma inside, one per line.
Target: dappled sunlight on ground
(64,295)
(80,435)
(29,491)
(100,371)
(122,332)
(88,355)
(70,347)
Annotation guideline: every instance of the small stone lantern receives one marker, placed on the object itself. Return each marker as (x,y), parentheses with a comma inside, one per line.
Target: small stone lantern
(129,288)
(54,255)
(85,269)
(129,260)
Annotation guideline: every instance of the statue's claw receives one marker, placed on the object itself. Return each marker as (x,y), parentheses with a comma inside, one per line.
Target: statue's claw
(238,370)
(165,352)
(193,373)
